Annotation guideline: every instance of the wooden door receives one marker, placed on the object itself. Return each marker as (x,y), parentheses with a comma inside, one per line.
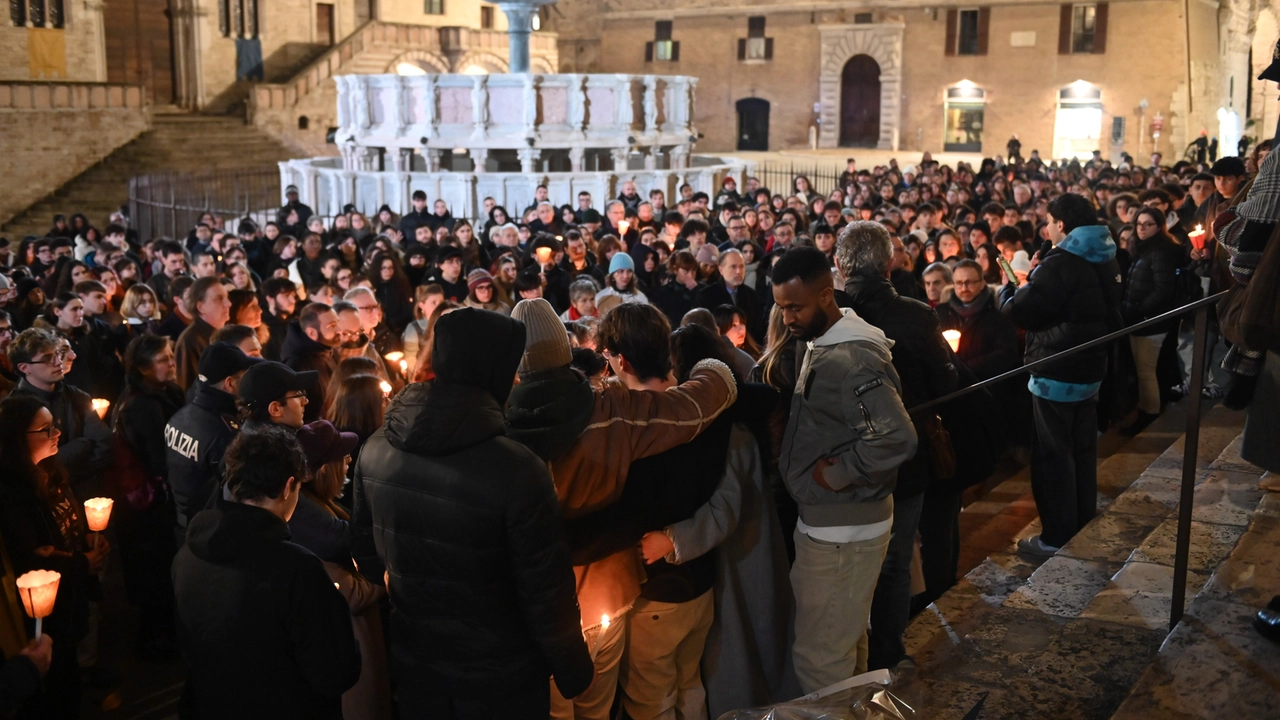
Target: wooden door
(139,46)
(860,102)
(753,124)
(324,23)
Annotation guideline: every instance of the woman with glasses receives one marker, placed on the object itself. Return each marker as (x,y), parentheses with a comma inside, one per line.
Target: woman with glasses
(43,528)
(1152,291)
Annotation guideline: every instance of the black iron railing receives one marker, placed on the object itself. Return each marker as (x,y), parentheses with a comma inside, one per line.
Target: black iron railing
(1191,443)
(779,177)
(169,205)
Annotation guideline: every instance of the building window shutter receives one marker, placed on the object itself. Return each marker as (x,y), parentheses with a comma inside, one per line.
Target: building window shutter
(768,48)
(742,48)
(675,51)
(952,23)
(984,29)
(1100,29)
(648,51)
(1064,30)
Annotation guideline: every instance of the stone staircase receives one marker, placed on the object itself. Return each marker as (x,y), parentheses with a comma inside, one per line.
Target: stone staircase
(1074,635)
(175,143)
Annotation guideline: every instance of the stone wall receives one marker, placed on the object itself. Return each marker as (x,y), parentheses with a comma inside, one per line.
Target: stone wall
(802,84)
(82,38)
(55,131)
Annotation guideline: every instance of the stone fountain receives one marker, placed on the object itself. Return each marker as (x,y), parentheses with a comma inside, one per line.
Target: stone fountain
(462,138)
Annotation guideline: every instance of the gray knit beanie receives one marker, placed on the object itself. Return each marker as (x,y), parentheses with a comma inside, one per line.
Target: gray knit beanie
(546,342)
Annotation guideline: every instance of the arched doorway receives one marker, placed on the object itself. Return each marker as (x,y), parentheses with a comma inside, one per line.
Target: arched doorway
(753,124)
(860,102)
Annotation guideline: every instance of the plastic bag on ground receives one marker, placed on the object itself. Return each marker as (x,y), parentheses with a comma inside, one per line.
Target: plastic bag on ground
(876,695)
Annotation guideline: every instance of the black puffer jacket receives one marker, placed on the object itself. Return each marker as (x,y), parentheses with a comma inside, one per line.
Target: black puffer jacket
(920,355)
(196,437)
(1153,283)
(467,523)
(1071,297)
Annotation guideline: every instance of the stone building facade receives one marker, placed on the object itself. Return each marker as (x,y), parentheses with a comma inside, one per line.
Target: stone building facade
(1066,78)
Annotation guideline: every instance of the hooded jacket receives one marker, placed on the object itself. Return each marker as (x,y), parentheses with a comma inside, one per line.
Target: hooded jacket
(1071,297)
(848,407)
(302,354)
(623,426)
(465,521)
(264,631)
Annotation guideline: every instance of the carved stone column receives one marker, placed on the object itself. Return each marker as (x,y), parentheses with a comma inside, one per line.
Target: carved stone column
(480,107)
(620,159)
(577,155)
(401,159)
(529,159)
(479,156)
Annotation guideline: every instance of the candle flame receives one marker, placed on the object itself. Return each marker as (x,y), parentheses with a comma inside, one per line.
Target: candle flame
(394,356)
(101,406)
(604,622)
(953,339)
(97,513)
(386,387)
(404,366)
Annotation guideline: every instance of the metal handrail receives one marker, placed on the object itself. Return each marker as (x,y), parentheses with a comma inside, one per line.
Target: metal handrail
(1202,302)
(1190,443)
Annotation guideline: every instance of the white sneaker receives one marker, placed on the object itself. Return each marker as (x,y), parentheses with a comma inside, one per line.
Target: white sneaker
(1035,546)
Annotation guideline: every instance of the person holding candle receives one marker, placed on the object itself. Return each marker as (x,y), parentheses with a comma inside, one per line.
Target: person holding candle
(264,631)
(469,533)
(144,522)
(1153,289)
(43,528)
(85,450)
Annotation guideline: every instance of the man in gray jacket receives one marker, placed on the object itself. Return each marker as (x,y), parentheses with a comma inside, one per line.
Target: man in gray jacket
(847,435)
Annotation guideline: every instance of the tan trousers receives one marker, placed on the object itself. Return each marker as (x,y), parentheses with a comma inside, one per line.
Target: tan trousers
(1146,354)
(661,678)
(833,585)
(596,702)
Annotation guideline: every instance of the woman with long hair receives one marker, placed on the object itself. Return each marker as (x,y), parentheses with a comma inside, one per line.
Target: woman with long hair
(43,527)
(137,482)
(141,311)
(358,406)
(425,300)
(732,322)
(241,277)
(115,294)
(391,288)
(498,217)
(72,272)
(423,371)
(621,281)
(1152,291)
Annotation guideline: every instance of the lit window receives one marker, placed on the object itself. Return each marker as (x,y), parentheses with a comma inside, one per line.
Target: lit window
(1083,26)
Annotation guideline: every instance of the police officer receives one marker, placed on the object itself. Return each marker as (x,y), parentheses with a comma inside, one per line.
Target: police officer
(274,393)
(199,433)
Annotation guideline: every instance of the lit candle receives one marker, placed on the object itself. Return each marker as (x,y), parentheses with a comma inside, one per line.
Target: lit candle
(953,339)
(544,255)
(386,387)
(595,646)
(394,356)
(101,406)
(404,368)
(1197,237)
(97,513)
(623,226)
(38,589)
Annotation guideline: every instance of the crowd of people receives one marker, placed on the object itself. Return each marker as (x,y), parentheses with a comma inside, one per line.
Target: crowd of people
(659,456)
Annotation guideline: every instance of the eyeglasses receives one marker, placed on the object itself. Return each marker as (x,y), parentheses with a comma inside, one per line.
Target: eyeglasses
(369,308)
(1147,224)
(967,283)
(6,331)
(47,431)
(301,395)
(57,358)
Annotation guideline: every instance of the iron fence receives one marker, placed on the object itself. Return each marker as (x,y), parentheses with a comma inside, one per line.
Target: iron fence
(169,205)
(779,177)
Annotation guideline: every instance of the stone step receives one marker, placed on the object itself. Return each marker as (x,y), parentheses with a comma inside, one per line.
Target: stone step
(1069,636)
(182,143)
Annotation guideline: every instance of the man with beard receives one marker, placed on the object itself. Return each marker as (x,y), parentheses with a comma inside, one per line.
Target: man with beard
(308,346)
(847,435)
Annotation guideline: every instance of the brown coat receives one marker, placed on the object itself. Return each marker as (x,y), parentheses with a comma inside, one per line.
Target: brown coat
(191,344)
(627,425)
(370,697)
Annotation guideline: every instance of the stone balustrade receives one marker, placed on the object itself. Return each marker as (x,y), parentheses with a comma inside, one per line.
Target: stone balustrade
(44,96)
(529,113)
(327,186)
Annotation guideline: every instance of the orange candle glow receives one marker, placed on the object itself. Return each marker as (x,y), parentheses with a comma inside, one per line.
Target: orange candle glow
(38,590)
(953,339)
(393,357)
(544,255)
(386,387)
(1197,237)
(97,512)
(404,367)
(101,406)
(623,226)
